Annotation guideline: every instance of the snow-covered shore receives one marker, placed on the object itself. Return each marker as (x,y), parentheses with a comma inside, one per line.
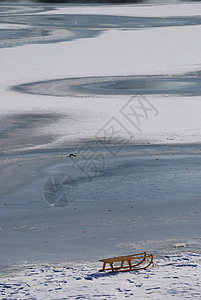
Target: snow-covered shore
(171,277)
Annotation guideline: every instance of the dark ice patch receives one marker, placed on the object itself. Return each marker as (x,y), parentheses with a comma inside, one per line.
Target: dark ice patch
(19,131)
(187,84)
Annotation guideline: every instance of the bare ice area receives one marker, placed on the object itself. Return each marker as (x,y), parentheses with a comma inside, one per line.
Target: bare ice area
(185,84)
(100,151)
(50,27)
(57,208)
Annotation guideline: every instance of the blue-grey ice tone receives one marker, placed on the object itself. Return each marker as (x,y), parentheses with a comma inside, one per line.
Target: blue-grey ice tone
(51,28)
(186,84)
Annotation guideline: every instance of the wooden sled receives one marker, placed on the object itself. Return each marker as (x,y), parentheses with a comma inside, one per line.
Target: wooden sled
(132,262)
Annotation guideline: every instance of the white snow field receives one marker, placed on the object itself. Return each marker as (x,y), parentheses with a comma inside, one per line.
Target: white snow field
(172,277)
(118,86)
(172,9)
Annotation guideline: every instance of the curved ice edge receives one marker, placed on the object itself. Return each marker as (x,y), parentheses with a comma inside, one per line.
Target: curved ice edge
(187,83)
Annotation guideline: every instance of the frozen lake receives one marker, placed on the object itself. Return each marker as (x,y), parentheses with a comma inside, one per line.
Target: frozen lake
(99,135)
(145,191)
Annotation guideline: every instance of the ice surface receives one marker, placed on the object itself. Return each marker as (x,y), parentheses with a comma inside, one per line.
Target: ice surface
(186,84)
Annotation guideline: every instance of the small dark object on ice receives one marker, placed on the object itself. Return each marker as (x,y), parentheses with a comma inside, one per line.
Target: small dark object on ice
(72,155)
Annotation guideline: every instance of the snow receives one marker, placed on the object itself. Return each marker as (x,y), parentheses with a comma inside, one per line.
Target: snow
(145,10)
(13,26)
(175,276)
(150,51)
